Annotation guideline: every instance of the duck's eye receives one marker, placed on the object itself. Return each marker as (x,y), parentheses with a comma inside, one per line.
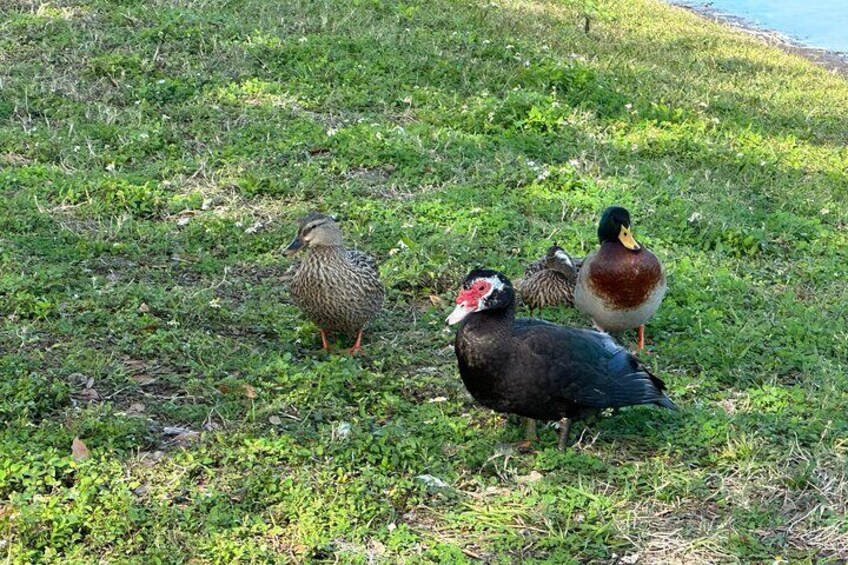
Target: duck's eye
(481,287)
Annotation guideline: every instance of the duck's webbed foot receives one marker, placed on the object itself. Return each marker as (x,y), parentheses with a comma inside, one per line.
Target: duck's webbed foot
(357,347)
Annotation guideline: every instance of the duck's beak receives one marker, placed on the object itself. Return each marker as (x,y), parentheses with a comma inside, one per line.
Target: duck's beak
(625,236)
(459,313)
(295,246)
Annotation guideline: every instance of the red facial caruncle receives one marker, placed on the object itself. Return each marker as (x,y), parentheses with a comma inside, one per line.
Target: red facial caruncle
(470,300)
(470,297)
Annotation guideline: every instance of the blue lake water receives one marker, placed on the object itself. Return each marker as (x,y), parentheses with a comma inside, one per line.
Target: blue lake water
(818,23)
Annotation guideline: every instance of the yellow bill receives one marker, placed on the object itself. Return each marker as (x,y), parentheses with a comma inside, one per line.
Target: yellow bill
(625,236)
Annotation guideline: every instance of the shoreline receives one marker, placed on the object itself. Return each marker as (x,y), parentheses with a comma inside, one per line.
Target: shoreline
(833,61)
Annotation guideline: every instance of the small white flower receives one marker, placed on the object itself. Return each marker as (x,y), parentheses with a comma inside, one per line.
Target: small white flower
(341,430)
(302,40)
(432,481)
(160,81)
(331,132)
(257,225)
(509,46)
(629,106)
(215,303)
(110,167)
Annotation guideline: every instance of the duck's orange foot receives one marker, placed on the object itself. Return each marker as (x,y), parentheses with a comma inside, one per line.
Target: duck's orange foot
(357,347)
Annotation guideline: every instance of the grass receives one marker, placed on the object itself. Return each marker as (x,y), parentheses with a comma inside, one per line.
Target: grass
(153,159)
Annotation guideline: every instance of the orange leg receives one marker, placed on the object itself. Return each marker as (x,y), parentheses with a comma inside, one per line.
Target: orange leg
(324,340)
(357,348)
(641,345)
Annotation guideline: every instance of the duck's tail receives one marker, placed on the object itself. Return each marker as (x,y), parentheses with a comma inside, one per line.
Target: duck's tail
(666,402)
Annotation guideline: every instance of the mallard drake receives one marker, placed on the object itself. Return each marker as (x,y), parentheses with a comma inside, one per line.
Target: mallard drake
(338,289)
(549,281)
(539,370)
(622,284)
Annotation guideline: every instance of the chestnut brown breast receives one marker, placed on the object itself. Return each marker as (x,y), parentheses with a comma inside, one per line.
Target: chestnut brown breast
(624,278)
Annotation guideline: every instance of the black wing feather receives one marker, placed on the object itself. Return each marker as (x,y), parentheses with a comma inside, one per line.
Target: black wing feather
(592,369)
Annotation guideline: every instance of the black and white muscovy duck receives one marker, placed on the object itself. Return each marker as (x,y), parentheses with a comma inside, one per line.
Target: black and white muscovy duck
(539,370)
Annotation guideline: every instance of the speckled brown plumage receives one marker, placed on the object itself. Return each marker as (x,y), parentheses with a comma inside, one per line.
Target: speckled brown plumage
(338,289)
(549,281)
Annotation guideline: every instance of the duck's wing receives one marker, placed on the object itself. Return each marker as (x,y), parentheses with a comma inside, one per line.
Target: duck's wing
(590,368)
(362,261)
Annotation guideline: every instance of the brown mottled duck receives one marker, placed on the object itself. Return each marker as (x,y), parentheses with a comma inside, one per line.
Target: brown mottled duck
(338,289)
(549,281)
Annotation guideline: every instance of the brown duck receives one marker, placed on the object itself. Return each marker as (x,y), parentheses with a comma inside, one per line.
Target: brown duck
(549,281)
(621,285)
(337,288)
